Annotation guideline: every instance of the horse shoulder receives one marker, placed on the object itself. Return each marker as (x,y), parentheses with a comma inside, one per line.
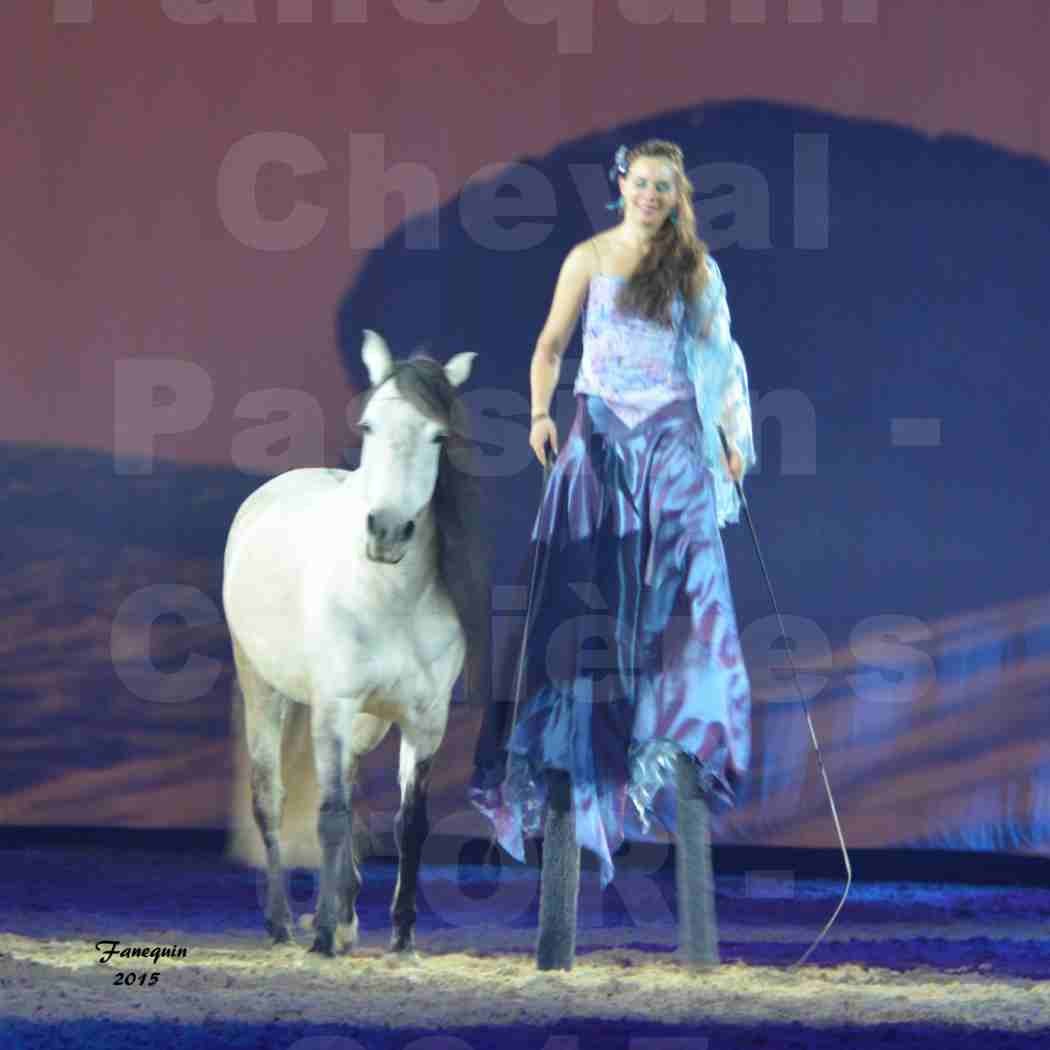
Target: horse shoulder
(274,538)
(441,639)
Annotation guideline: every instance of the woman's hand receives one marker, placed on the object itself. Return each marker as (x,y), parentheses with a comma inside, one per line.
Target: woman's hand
(541,432)
(735,465)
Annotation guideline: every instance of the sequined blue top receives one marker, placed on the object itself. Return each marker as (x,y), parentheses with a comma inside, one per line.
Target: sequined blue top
(637,366)
(634,365)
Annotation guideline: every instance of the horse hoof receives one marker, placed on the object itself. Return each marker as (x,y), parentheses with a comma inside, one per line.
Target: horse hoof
(402,941)
(324,944)
(280,934)
(348,933)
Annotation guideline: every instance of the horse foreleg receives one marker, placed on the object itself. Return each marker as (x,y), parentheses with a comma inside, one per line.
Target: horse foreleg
(410,832)
(334,761)
(350,873)
(559,878)
(264,715)
(694,878)
(367,733)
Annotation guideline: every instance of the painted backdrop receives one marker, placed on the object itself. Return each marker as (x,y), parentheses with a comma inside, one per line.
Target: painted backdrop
(207,202)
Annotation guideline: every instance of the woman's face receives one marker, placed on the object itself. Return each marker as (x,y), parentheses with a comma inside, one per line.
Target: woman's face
(649,191)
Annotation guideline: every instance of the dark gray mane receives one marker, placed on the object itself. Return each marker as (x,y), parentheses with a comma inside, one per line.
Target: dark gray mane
(462,558)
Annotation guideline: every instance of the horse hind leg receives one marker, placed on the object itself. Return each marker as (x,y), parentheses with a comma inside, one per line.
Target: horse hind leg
(265,711)
(694,877)
(559,878)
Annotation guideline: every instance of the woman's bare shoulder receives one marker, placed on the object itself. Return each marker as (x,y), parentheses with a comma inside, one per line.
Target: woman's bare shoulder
(592,248)
(584,258)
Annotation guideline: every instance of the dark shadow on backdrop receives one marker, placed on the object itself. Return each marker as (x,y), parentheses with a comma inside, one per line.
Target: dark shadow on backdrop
(890,303)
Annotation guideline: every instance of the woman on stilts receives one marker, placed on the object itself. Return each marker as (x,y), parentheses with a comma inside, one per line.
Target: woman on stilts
(629,697)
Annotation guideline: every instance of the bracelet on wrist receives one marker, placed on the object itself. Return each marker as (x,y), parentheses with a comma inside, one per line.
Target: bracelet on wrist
(540,415)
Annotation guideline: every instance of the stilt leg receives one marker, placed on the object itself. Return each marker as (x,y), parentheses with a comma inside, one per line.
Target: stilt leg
(560,879)
(697,922)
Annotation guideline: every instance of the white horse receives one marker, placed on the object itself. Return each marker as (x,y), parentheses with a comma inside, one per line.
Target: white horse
(362,594)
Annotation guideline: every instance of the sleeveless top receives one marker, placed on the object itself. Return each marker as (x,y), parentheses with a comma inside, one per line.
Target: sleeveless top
(637,366)
(634,365)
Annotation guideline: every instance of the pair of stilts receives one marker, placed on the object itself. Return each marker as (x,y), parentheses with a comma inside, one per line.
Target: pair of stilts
(560,873)
(694,878)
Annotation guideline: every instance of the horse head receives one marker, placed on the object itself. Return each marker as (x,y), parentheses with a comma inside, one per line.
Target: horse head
(408,418)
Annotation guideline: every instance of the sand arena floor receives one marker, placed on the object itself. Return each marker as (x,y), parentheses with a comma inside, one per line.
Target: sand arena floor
(906,965)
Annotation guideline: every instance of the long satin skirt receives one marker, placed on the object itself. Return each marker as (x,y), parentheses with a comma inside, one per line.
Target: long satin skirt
(631,652)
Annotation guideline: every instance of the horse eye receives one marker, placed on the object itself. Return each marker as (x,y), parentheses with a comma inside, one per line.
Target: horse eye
(363,428)
(440,439)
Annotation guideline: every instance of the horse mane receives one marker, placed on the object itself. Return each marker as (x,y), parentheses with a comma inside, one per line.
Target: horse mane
(462,557)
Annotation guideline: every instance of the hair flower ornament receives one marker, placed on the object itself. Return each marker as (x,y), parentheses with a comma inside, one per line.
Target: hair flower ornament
(618,170)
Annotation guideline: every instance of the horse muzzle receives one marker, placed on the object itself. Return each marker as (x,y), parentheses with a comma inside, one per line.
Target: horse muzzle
(384,555)
(387,536)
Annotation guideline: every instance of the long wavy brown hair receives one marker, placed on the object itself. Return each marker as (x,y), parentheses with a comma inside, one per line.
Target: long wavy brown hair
(462,553)
(674,262)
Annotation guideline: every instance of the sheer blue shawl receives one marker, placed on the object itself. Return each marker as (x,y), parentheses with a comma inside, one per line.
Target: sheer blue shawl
(716,368)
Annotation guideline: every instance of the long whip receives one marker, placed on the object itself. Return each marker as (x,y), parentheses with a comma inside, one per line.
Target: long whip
(519,673)
(805,708)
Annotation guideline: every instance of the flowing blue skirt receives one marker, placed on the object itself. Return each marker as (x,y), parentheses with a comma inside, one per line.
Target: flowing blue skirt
(631,653)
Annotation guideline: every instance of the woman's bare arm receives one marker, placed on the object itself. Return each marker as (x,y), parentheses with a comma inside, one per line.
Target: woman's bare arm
(569,294)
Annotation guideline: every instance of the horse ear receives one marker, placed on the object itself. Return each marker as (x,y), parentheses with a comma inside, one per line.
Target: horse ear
(376,356)
(458,368)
